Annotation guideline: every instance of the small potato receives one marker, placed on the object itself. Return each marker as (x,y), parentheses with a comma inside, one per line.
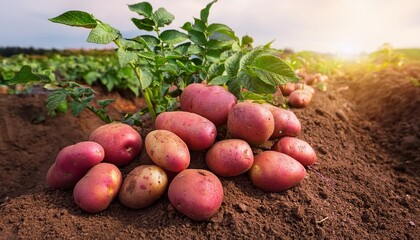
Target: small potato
(250,122)
(197,193)
(196,131)
(297,149)
(275,172)
(211,102)
(167,150)
(121,142)
(285,122)
(143,186)
(72,163)
(230,157)
(287,88)
(96,190)
(300,98)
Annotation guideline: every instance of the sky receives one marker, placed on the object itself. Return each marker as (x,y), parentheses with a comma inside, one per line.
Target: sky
(328,26)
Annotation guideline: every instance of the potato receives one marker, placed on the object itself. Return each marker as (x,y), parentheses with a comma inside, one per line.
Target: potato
(250,122)
(211,102)
(196,131)
(143,186)
(167,150)
(197,193)
(72,163)
(121,142)
(285,122)
(297,149)
(230,157)
(287,88)
(274,172)
(300,98)
(96,190)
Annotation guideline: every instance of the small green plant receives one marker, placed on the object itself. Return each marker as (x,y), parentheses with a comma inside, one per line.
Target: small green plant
(171,59)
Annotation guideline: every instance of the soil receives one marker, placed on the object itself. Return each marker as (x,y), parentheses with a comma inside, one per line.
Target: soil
(365,130)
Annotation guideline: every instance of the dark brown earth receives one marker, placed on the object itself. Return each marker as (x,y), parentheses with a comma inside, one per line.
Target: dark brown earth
(365,130)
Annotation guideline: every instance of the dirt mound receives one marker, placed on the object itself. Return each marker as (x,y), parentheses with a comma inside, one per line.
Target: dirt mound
(355,191)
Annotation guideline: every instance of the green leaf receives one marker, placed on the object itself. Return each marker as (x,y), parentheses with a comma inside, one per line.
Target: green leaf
(232,64)
(105,102)
(126,57)
(235,87)
(221,28)
(273,70)
(204,13)
(54,100)
(146,78)
(26,76)
(197,37)
(91,76)
(173,37)
(255,85)
(149,40)
(199,25)
(76,19)
(219,80)
(187,26)
(182,48)
(143,24)
(103,34)
(144,9)
(216,44)
(163,17)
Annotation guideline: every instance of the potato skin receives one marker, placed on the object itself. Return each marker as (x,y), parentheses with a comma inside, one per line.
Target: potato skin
(230,157)
(143,186)
(121,142)
(250,122)
(96,190)
(211,102)
(197,193)
(300,98)
(297,149)
(72,163)
(196,131)
(275,172)
(285,122)
(167,150)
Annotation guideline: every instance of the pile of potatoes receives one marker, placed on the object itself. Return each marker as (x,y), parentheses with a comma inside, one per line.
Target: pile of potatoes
(91,168)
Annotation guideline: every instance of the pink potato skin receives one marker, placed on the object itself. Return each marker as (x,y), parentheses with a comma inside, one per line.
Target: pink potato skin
(300,98)
(211,102)
(196,131)
(287,88)
(121,142)
(197,193)
(230,157)
(167,150)
(275,172)
(250,122)
(96,190)
(143,186)
(297,149)
(72,163)
(285,122)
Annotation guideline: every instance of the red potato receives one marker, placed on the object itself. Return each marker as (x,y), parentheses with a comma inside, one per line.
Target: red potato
(72,163)
(96,190)
(275,172)
(285,122)
(230,157)
(300,98)
(167,150)
(197,193)
(287,88)
(121,142)
(196,131)
(251,122)
(211,102)
(297,149)
(143,186)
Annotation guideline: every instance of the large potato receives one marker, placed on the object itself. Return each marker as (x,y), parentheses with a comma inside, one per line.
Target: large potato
(96,190)
(285,122)
(300,98)
(196,131)
(72,163)
(274,172)
(167,150)
(297,149)
(121,142)
(211,102)
(197,193)
(143,186)
(250,122)
(230,157)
